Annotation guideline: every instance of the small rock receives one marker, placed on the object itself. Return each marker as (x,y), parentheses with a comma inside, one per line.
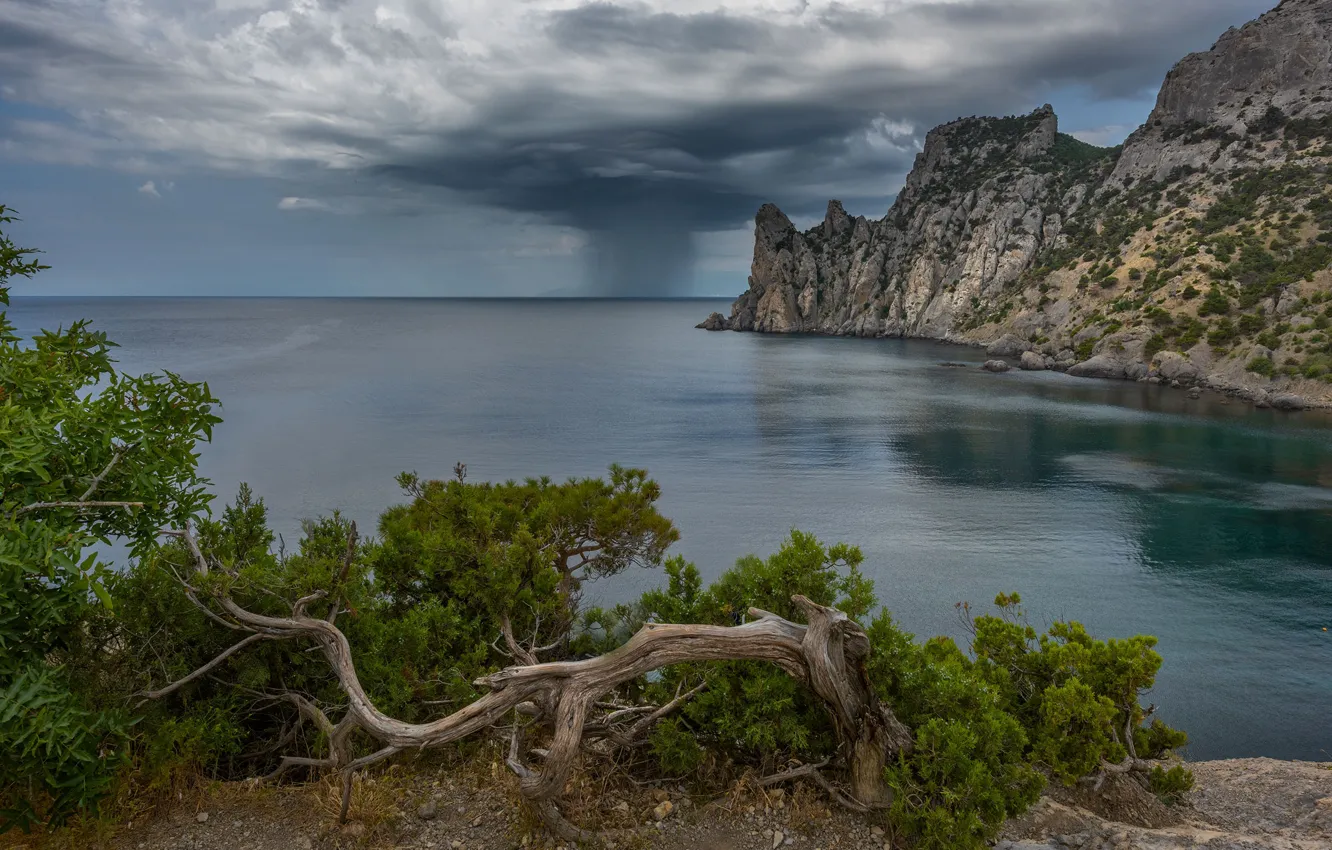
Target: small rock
(663,810)
(354,830)
(1008,345)
(715,322)
(777,839)
(1195,393)
(1100,366)
(660,795)
(621,806)
(1288,401)
(428,811)
(456,844)
(877,832)
(303,842)
(996,366)
(1032,362)
(202,817)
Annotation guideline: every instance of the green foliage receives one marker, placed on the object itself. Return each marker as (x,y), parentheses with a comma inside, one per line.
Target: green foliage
(753,712)
(1070,151)
(460,557)
(423,608)
(58,756)
(1261,366)
(1222,334)
(87,456)
(1154,345)
(1075,695)
(969,770)
(675,748)
(1171,784)
(1215,304)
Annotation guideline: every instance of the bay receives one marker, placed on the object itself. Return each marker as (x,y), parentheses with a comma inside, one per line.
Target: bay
(1129,507)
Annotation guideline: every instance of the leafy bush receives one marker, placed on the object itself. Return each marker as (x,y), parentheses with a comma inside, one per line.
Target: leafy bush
(1215,304)
(1154,345)
(753,712)
(1261,366)
(1171,784)
(87,455)
(1222,333)
(969,770)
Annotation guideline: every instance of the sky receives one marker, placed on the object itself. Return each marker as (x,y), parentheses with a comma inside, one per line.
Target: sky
(514,147)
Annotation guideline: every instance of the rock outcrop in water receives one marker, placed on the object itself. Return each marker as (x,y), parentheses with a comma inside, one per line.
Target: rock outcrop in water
(1199,252)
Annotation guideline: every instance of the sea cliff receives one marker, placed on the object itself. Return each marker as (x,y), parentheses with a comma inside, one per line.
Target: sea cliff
(1198,253)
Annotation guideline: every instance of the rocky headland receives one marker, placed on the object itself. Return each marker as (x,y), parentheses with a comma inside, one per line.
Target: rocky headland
(1197,254)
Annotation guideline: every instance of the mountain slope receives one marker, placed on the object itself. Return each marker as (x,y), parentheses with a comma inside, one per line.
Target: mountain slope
(1200,252)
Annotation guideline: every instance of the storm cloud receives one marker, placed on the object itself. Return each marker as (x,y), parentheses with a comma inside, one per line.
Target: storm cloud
(638,123)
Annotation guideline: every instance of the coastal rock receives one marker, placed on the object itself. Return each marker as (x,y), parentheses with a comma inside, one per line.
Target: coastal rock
(715,322)
(996,366)
(1007,345)
(1173,366)
(1032,362)
(991,241)
(1288,401)
(1100,366)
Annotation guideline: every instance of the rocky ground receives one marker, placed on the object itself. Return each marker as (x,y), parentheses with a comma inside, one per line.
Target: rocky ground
(1245,804)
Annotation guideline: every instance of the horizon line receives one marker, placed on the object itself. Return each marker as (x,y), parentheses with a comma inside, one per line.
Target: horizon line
(15,297)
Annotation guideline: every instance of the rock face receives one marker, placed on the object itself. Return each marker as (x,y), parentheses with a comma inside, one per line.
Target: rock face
(985,196)
(1012,235)
(1239,804)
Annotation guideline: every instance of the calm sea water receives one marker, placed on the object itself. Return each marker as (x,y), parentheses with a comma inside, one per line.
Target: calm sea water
(1128,507)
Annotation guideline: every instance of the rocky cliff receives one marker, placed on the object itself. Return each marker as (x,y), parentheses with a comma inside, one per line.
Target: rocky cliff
(1199,252)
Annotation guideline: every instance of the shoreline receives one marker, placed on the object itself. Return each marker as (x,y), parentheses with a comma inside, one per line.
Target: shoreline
(1258,397)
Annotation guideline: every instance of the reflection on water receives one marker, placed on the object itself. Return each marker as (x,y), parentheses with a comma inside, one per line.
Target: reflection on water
(1130,507)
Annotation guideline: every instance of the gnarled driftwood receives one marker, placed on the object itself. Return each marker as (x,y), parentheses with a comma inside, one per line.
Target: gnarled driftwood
(828,655)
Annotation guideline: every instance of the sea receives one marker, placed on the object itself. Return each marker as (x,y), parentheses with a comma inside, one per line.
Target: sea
(1128,507)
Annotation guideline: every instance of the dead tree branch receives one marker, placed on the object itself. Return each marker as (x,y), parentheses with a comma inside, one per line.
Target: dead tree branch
(814,773)
(828,655)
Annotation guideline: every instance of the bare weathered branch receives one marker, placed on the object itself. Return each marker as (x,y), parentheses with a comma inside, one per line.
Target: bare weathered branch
(347,558)
(80,505)
(814,773)
(106,470)
(828,655)
(517,652)
(218,659)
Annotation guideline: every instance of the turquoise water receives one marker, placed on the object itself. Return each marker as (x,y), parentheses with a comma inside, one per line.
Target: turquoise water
(1129,507)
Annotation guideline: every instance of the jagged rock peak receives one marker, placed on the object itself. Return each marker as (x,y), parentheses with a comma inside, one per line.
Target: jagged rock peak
(772,226)
(836,222)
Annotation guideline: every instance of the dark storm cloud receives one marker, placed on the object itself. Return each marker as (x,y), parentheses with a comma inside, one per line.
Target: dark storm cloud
(598,27)
(637,122)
